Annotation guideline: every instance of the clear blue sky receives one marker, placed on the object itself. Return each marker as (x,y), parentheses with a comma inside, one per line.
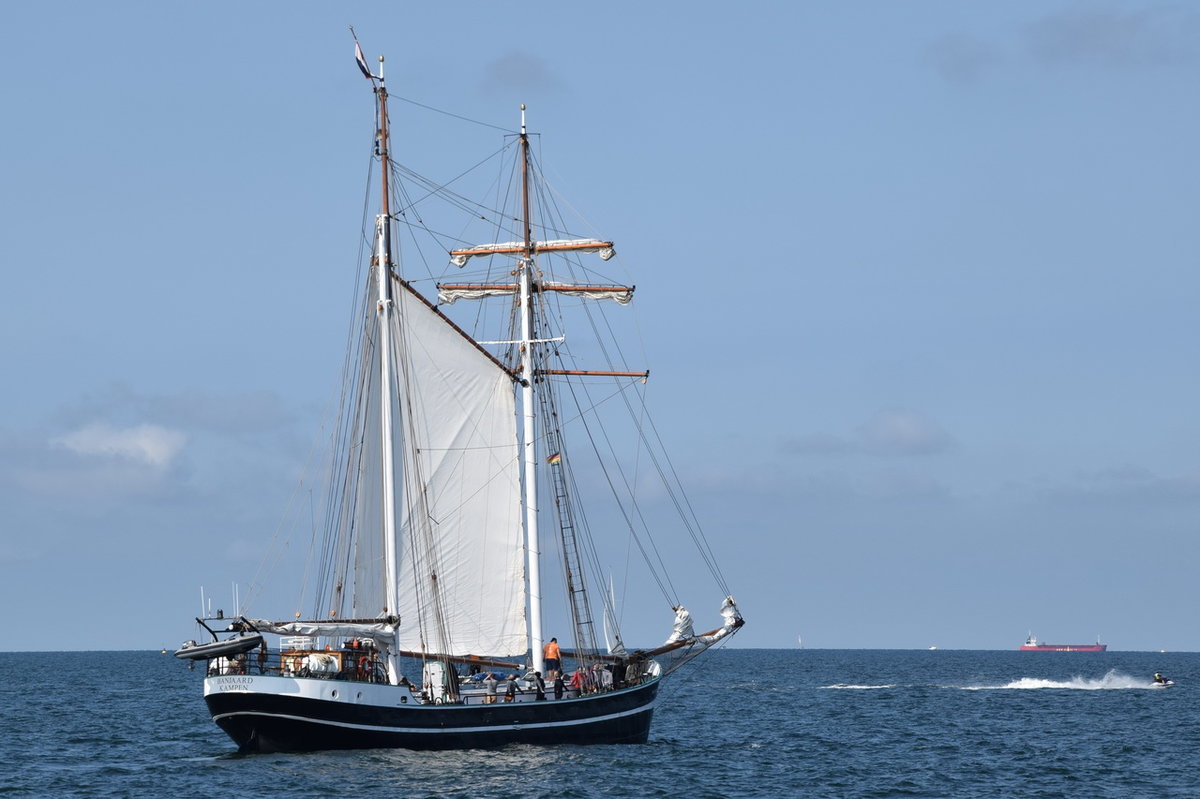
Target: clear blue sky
(924,275)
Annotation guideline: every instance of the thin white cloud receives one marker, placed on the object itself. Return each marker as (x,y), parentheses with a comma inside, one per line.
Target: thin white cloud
(896,431)
(820,444)
(147,444)
(1125,485)
(193,410)
(902,432)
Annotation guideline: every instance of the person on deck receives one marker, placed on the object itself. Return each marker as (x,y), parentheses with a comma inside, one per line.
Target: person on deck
(633,673)
(618,673)
(603,678)
(577,682)
(489,683)
(539,686)
(510,688)
(553,658)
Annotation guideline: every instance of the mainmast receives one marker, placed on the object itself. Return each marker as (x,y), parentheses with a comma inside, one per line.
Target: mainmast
(528,290)
(384,308)
(529,448)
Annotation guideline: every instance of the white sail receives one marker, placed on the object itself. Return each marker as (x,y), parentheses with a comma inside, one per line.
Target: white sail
(461,562)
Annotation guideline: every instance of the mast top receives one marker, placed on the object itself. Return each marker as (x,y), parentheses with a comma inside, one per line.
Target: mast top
(522,119)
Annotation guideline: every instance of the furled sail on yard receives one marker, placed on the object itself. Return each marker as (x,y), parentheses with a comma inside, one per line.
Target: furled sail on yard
(603,248)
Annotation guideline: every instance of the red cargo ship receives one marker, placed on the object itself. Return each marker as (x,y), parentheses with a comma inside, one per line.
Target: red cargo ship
(1032,645)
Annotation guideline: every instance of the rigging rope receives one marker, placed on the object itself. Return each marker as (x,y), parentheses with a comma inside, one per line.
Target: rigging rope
(450,114)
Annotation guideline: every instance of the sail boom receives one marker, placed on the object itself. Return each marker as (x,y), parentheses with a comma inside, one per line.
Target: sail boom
(472,660)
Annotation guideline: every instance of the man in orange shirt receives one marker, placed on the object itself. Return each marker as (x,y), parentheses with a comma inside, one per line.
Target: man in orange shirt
(553,659)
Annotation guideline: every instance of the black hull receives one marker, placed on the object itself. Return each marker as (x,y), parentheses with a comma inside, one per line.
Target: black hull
(265,721)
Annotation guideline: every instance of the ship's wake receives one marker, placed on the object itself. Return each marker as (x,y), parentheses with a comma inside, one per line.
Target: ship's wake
(1112,681)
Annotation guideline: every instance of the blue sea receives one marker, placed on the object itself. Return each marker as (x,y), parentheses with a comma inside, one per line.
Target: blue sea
(735,723)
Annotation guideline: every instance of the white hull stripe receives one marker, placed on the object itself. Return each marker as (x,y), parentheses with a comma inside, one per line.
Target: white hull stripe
(440,730)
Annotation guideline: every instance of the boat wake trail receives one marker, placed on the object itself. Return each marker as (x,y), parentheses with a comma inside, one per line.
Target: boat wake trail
(1112,681)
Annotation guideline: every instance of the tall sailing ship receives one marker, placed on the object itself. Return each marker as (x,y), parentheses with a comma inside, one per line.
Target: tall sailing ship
(449,460)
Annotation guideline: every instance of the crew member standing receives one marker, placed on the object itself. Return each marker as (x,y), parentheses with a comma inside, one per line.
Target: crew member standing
(553,658)
(489,683)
